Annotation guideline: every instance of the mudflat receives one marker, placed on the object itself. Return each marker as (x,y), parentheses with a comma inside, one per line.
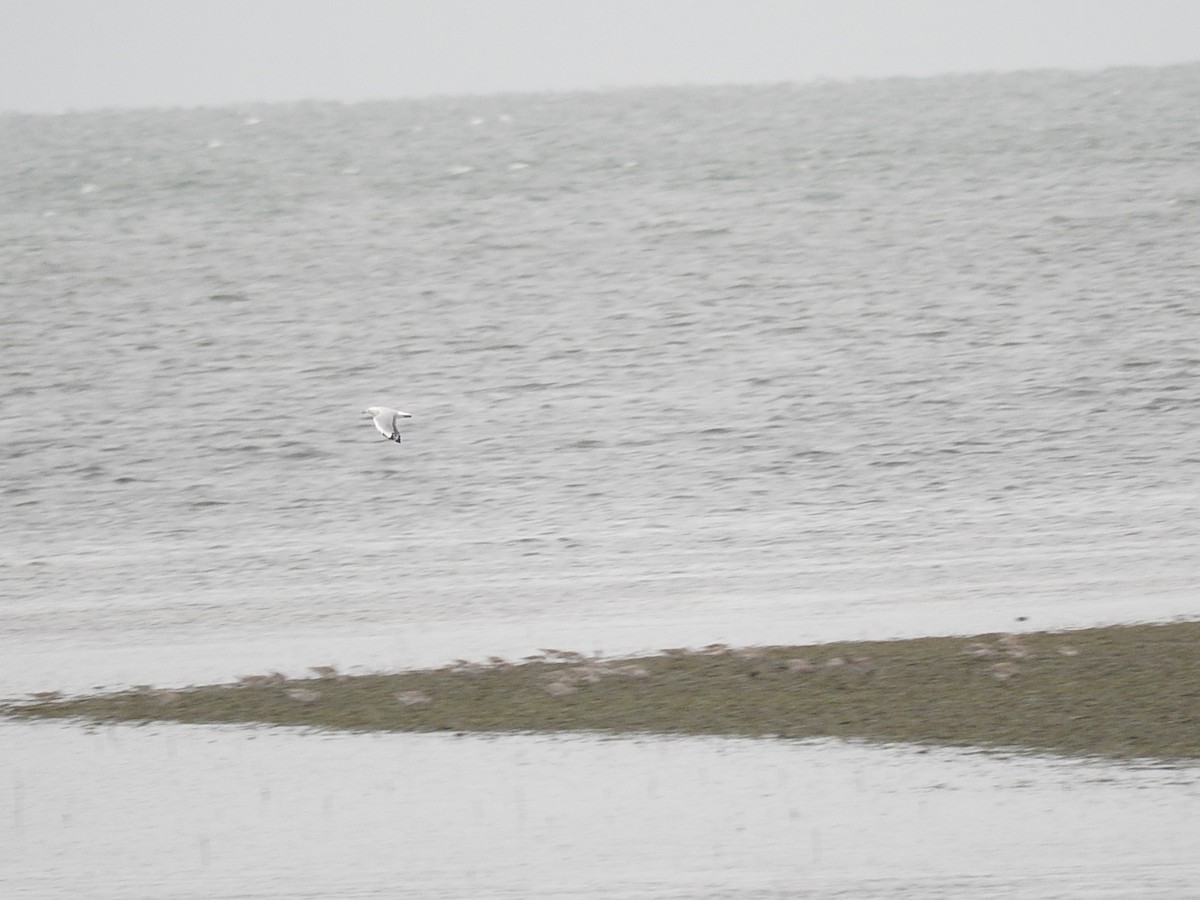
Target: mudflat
(1121,691)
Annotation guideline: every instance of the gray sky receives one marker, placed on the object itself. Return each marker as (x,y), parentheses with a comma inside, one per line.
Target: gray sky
(86,54)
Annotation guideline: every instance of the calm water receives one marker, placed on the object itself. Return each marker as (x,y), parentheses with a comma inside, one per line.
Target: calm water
(284,815)
(760,364)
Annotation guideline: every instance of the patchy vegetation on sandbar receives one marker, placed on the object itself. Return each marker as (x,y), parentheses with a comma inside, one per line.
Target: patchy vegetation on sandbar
(1122,692)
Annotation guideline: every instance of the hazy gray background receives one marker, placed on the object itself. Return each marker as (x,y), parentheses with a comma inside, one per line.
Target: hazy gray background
(80,54)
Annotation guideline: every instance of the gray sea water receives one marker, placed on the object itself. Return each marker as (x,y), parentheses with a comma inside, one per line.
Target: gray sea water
(749,364)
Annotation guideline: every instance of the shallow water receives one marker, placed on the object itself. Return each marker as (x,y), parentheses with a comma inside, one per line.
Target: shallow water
(744,364)
(223,813)
(753,365)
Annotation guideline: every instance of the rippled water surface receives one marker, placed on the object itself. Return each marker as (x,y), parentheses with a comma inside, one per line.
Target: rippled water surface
(769,364)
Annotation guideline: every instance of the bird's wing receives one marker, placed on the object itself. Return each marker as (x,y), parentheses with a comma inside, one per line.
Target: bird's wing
(385,422)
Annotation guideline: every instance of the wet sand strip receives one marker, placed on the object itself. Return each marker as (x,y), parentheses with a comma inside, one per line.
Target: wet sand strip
(1119,692)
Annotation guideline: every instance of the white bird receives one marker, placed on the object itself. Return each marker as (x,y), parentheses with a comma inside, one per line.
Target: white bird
(386,420)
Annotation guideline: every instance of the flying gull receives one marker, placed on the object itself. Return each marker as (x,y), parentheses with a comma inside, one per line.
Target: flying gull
(387,421)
